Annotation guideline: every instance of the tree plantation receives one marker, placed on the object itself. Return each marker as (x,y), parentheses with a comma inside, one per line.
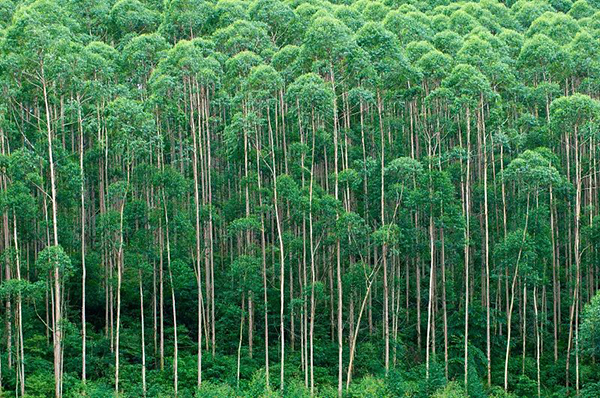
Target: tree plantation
(264,198)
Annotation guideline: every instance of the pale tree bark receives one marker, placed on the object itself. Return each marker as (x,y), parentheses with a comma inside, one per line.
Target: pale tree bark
(312,261)
(523,303)
(574,318)
(370,279)
(512,297)
(120,269)
(19,317)
(83,266)
(143,334)
(444,300)
(431,293)
(555,275)
(281,251)
(198,269)
(6,238)
(537,339)
(467,189)
(57,332)
(430,338)
(173,303)
(263,245)
(386,325)
(487,250)
(340,338)
(239,349)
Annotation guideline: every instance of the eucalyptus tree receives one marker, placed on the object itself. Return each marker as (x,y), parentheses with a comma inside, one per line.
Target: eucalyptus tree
(228,11)
(132,17)
(190,73)
(41,44)
(326,44)
(92,86)
(542,59)
(485,53)
(391,68)
(584,65)
(188,19)
(132,129)
(313,103)
(408,24)
(243,36)
(547,24)
(93,91)
(238,139)
(435,66)
(262,83)
(139,57)
(534,174)
(590,318)
(18,204)
(405,180)
(575,115)
(244,269)
(280,19)
(172,185)
(470,89)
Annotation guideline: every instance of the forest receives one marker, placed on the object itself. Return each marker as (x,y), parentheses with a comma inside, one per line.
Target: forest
(299,198)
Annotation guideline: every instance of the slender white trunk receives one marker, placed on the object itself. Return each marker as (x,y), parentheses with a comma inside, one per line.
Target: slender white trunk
(83,267)
(57,332)
(143,335)
(21,364)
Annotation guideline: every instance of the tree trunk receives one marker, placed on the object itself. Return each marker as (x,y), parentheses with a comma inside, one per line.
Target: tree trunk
(173,303)
(371,278)
(21,362)
(386,326)
(512,298)
(120,269)
(467,189)
(57,332)
(143,334)
(281,252)
(83,267)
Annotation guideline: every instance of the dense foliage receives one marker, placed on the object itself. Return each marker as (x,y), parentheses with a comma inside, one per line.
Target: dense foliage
(364,198)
